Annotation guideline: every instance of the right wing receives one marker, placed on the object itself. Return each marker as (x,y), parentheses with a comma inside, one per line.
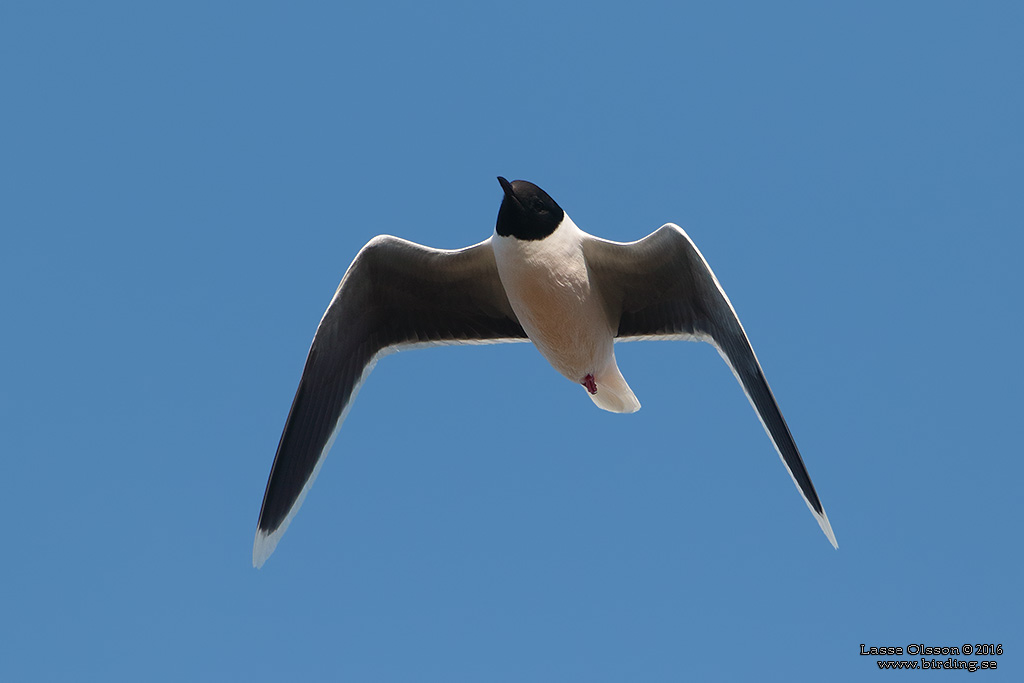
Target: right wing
(396,294)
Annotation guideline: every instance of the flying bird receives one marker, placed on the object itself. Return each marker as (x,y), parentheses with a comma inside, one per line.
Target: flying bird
(538,278)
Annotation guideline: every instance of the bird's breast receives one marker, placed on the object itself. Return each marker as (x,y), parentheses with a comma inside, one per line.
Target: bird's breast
(549,289)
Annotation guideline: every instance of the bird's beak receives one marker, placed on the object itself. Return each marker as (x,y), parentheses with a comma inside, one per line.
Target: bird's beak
(510,194)
(507,187)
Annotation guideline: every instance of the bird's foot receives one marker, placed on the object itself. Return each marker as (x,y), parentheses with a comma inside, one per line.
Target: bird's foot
(590,384)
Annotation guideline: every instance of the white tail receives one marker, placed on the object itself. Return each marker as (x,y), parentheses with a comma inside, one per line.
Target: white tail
(613,394)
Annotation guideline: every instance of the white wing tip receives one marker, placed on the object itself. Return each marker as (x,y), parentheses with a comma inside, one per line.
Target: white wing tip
(264,545)
(826,527)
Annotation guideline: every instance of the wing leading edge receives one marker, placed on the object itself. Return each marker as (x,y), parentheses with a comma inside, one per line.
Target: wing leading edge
(396,294)
(662,287)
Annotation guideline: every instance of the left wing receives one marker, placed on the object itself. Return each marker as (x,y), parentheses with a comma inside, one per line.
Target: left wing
(661,287)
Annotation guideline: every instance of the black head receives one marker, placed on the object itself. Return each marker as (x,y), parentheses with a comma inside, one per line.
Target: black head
(527,212)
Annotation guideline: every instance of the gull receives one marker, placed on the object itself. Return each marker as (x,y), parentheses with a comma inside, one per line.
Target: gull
(537,278)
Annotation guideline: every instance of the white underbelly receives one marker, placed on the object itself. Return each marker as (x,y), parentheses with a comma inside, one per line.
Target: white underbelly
(567,327)
(551,295)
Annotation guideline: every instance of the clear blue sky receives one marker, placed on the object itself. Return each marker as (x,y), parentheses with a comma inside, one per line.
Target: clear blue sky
(182,188)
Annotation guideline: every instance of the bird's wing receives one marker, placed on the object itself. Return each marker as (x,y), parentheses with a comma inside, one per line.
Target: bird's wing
(661,287)
(396,294)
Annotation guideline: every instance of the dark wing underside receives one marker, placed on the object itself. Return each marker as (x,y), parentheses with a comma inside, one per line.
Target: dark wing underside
(395,294)
(661,287)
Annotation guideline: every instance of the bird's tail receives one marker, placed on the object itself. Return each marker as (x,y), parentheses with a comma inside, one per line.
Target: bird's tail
(613,394)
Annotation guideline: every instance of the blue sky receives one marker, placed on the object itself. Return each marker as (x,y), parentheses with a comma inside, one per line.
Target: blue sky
(183,187)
